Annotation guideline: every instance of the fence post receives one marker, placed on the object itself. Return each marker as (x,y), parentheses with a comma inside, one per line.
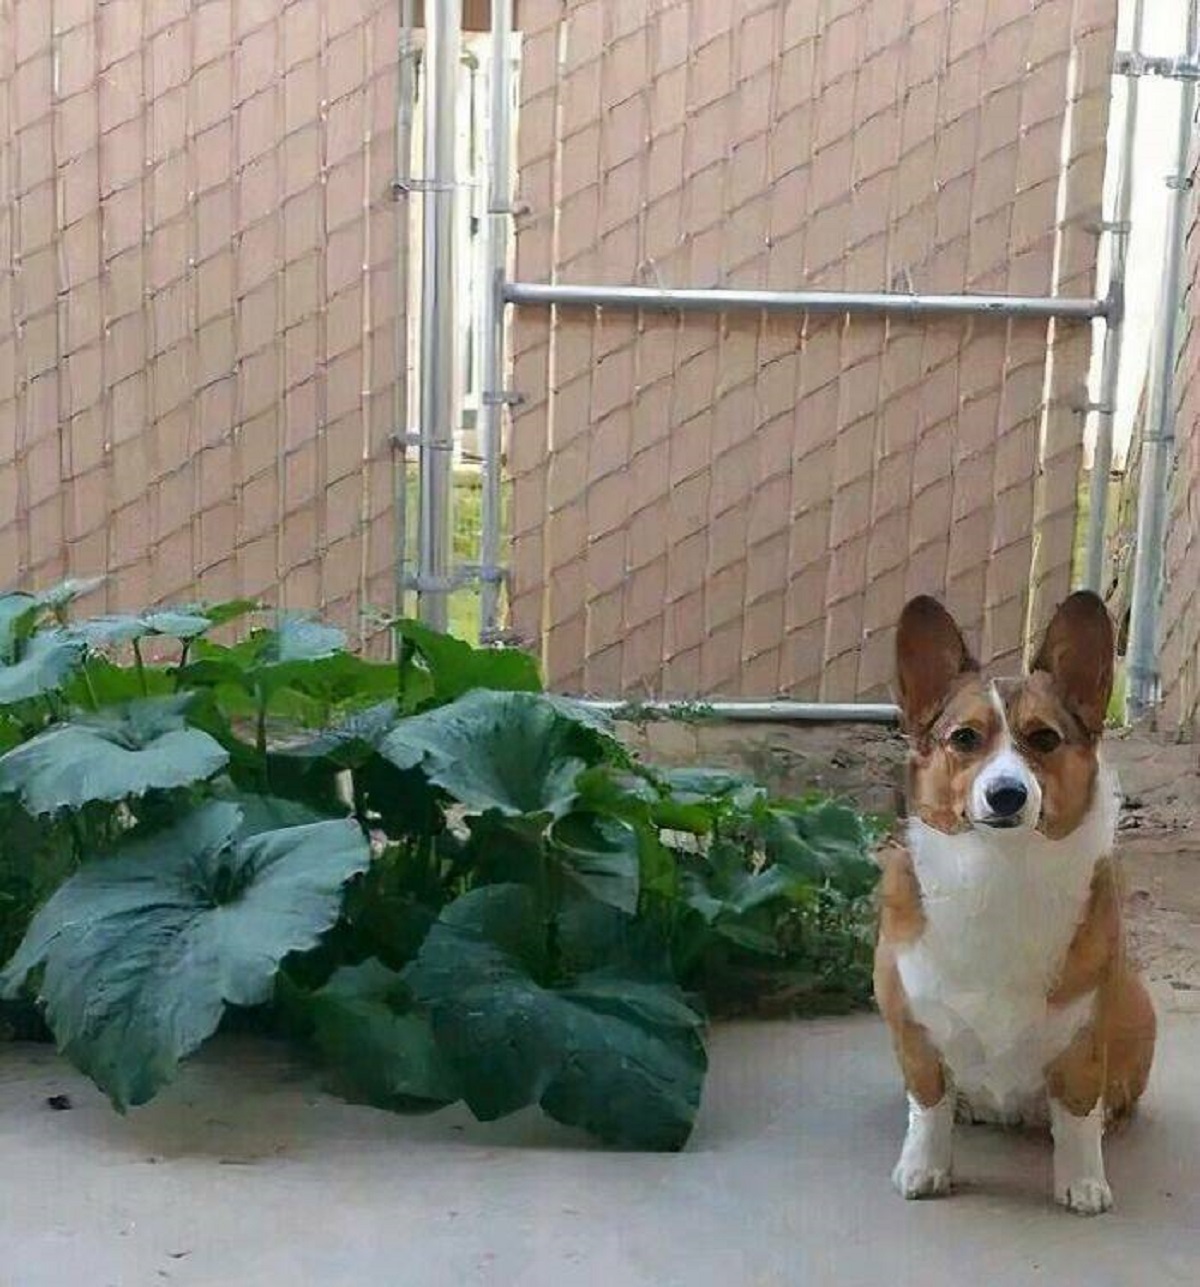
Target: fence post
(492,328)
(439,336)
(1158,437)
(405,99)
(1114,327)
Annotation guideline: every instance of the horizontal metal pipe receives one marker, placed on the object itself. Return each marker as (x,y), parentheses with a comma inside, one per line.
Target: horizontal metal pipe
(1133,63)
(882,303)
(748,712)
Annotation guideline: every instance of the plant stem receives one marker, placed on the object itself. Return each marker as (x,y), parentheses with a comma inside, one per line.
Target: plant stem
(549,897)
(260,739)
(140,666)
(404,655)
(183,661)
(428,851)
(78,838)
(360,800)
(87,680)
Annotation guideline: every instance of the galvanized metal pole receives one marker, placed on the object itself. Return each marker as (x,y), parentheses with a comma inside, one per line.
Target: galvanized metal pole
(751,712)
(405,97)
(652,299)
(1114,330)
(1158,438)
(439,334)
(492,323)
(1130,63)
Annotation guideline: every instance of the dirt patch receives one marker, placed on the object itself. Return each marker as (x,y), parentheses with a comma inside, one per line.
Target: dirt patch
(864,762)
(1160,820)
(1160,856)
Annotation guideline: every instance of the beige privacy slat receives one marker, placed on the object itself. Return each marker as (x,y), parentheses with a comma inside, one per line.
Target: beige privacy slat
(197,361)
(1179,661)
(198,301)
(723,505)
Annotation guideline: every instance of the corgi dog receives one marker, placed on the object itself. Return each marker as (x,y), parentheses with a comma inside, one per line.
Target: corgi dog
(1000,965)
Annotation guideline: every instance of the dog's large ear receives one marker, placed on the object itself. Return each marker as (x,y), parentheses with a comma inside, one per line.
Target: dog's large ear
(930,656)
(1077,654)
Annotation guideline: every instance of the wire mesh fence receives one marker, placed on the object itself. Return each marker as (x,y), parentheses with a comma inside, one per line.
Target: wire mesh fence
(200,378)
(718,505)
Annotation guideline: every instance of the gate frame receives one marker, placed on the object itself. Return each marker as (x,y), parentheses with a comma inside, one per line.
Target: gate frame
(434,499)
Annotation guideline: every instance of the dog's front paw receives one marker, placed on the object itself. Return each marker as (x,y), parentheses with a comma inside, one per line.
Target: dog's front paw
(1079,1180)
(926,1160)
(1084,1196)
(916,1181)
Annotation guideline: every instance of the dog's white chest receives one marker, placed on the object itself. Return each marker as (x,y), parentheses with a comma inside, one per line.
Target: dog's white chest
(1000,914)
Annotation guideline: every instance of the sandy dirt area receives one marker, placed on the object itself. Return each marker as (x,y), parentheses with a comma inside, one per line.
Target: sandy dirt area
(1159,845)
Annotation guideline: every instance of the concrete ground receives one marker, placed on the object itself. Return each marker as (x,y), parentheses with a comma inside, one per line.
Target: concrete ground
(244,1175)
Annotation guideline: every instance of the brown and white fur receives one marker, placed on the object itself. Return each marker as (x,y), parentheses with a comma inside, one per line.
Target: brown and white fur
(1000,965)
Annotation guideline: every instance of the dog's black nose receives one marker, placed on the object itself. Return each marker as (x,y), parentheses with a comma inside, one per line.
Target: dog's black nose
(1006,797)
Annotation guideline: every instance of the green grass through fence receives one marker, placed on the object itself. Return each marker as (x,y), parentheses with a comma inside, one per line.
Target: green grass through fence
(467,526)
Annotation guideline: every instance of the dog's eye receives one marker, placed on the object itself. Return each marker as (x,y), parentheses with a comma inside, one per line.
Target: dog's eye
(1043,740)
(966,739)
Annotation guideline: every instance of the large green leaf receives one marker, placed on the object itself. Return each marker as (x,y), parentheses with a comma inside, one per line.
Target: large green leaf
(298,657)
(599,855)
(60,597)
(11,733)
(741,903)
(514,752)
(112,755)
(586,1021)
(126,628)
(100,682)
(698,799)
(502,849)
(452,667)
(338,682)
(44,664)
(34,860)
(378,1049)
(18,617)
(695,784)
(269,812)
(635,800)
(402,801)
(266,655)
(600,722)
(302,639)
(350,743)
(140,953)
(821,840)
(310,655)
(220,611)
